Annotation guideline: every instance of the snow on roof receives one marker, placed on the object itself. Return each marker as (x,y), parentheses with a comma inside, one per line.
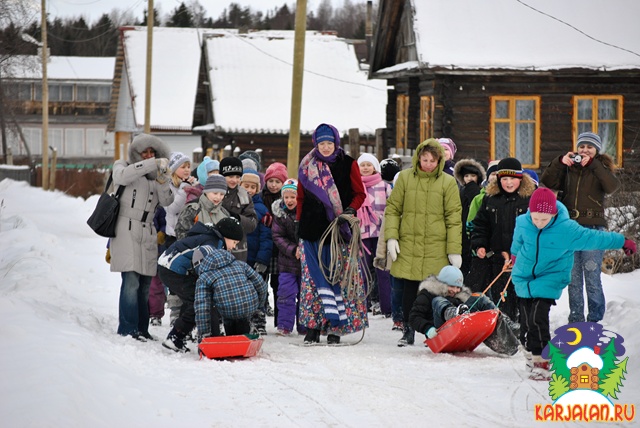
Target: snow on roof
(584,355)
(62,67)
(251,74)
(174,75)
(509,34)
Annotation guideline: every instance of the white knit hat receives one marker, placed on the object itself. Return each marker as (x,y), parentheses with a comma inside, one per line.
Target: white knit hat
(368,157)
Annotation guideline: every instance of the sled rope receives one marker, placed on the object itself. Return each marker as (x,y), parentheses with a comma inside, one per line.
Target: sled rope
(345,270)
(503,293)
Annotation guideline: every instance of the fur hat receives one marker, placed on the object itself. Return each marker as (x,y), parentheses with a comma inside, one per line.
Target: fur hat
(388,169)
(213,165)
(215,183)
(509,167)
(254,156)
(143,141)
(325,132)
(368,157)
(251,176)
(452,276)
(290,185)
(230,166)
(591,139)
(276,170)
(229,227)
(448,142)
(176,160)
(543,200)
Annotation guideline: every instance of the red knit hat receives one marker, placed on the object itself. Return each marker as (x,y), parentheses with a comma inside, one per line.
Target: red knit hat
(276,170)
(543,200)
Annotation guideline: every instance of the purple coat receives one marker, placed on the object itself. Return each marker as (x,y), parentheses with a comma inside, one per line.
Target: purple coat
(283,232)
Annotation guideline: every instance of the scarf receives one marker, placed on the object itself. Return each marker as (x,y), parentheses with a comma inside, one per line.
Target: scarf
(366,214)
(315,176)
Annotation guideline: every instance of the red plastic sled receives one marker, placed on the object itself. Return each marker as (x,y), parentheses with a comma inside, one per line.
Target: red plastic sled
(464,332)
(245,345)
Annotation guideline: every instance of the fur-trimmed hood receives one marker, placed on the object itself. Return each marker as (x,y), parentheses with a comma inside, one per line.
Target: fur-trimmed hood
(470,164)
(439,288)
(142,141)
(526,189)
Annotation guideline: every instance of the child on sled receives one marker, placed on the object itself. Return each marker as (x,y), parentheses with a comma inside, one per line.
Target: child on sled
(443,297)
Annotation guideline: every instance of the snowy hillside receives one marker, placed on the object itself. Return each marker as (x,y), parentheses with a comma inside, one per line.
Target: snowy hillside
(63,365)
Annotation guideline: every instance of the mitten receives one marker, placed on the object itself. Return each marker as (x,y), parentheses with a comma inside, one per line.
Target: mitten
(455,260)
(267,219)
(162,237)
(513,260)
(393,248)
(163,165)
(349,211)
(260,268)
(629,247)
(431,333)
(107,256)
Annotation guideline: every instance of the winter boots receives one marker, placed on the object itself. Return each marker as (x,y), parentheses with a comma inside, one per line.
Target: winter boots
(259,323)
(312,336)
(333,339)
(408,336)
(540,369)
(452,311)
(155,321)
(398,326)
(175,342)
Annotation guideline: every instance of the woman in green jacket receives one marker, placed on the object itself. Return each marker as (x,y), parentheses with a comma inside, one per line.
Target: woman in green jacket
(423,226)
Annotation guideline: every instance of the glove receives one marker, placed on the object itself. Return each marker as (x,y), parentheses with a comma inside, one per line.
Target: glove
(393,248)
(162,238)
(431,333)
(163,166)
(455,260)
(235,215)
(629,247)
(259,267)
(267,220)
(107,256)
(513,260)
(349,211)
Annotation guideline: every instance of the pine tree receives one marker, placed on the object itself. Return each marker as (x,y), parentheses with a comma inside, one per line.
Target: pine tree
(181,17)
(610,385)
(558,362)
(609,359)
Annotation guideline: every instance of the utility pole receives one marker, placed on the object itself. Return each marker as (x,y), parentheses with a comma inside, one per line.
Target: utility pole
(147,87)
(45,102)
(293,153)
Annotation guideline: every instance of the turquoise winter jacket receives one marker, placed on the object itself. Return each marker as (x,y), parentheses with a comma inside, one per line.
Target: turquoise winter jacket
(544,257)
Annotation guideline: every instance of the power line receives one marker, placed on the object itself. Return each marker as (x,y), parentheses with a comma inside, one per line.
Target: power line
(577,29)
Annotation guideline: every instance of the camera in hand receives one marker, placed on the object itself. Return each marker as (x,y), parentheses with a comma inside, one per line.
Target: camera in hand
(576,158)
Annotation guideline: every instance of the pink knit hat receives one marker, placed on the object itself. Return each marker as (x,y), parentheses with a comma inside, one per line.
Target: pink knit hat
(543,200)
(450,145)
(276,170)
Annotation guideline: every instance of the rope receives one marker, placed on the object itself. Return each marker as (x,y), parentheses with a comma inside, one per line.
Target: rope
(503,293)
(345,270)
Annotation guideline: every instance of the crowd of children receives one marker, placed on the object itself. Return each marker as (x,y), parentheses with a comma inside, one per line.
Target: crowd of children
(438,238)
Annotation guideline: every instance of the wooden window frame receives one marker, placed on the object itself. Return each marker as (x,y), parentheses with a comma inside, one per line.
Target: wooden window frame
(402,121)
(595,121)
(426,116)
(512,120)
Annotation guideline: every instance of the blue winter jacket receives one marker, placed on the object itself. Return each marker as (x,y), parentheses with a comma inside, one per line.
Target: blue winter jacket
(230,285)
(544,257)
(259,242)
(178,256)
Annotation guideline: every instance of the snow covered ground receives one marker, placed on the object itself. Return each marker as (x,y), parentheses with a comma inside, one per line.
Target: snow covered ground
(62,364)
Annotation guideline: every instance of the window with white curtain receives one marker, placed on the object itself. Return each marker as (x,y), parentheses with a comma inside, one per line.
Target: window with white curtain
(74,142)
(56,140)
(95,142)
(34,139)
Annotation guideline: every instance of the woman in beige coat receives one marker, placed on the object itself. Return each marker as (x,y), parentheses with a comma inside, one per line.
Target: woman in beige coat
(134,250)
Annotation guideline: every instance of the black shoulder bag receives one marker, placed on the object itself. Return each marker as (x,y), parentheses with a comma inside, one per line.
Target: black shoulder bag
(105,215)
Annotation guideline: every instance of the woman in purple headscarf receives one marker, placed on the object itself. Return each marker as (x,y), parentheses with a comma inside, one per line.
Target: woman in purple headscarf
(329,184)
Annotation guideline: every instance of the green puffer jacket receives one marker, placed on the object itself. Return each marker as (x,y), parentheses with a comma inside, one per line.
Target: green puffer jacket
(424,214)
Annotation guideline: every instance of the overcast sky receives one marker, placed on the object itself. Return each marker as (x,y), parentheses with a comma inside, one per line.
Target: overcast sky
(91,10)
